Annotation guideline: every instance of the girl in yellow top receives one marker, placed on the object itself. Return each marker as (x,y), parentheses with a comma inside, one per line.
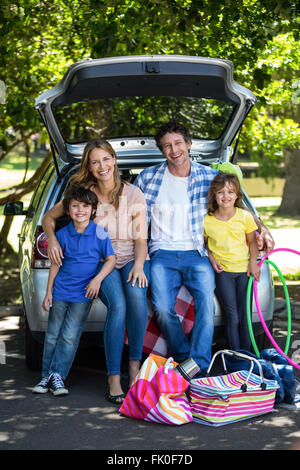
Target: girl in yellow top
(230,237)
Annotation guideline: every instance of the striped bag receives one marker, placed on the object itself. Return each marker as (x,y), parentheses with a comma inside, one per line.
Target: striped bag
(158,394)
(229,398)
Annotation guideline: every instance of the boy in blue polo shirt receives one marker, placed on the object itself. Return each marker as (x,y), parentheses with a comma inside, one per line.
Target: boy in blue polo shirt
(72,286)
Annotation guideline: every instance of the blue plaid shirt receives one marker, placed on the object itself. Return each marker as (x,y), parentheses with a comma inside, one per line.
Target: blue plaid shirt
(150,180)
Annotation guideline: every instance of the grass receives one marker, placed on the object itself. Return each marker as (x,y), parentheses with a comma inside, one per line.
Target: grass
(288,277)
(12,168)
(272,221)
(16,160)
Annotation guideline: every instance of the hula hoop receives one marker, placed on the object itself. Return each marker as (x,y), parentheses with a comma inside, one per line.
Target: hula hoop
(259,311)
(289,315)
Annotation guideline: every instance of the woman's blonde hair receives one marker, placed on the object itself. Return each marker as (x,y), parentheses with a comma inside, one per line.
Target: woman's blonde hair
(85,177)
(218,183)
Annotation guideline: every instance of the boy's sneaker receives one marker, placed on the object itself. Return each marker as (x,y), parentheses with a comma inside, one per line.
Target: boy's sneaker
(42,386)
(57,386)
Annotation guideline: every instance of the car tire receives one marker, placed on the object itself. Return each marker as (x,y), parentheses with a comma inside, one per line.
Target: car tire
(33,350)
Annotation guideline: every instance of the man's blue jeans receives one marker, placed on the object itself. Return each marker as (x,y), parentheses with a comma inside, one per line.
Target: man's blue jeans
(125,305)
(170,270)
(65,325)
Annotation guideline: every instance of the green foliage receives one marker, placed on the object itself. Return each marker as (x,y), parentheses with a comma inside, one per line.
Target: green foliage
(274,124)
(39,40)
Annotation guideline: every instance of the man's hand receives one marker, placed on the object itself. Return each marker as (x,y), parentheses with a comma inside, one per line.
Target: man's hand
(268,240)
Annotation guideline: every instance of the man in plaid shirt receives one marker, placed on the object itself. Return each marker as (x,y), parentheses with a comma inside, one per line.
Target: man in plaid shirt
(176,196)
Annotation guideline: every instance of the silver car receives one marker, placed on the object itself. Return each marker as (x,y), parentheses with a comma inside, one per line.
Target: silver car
(123,99)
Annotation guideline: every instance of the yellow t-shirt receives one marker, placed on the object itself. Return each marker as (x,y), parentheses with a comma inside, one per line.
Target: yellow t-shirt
(227,239)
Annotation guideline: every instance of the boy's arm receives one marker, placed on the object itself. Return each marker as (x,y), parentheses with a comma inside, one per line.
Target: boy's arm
(54,268)
(93,287)
(253,249)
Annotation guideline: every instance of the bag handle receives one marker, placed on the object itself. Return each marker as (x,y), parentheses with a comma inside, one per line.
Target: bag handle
(241,356)
(168,365)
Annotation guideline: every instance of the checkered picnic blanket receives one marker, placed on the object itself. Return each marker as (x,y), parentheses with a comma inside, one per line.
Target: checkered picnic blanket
(154,341)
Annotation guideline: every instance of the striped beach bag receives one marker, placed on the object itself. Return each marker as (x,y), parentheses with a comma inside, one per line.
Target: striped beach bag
(225,399)
(158,394)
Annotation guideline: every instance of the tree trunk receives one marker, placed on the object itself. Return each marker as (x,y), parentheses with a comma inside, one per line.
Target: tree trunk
(15,194)
(5,247)
(290,203)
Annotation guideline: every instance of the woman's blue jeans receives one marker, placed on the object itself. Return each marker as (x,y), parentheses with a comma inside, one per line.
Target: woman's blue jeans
(169,271)
(126,305)
(65,325)
(231,290)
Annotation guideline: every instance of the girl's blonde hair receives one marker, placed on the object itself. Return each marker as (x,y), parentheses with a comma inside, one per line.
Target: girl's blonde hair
(85,177)
(218,183)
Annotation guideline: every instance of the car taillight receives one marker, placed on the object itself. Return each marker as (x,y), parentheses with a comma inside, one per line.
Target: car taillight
(40,250)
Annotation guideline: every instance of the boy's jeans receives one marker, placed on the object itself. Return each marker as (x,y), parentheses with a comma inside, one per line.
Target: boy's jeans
(170,270)
(65,325)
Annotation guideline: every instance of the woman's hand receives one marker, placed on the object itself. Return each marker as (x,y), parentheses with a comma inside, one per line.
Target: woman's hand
(55,253)
(136,274)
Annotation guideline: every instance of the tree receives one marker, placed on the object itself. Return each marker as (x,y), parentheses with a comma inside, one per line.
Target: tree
(33,58)
(274,132)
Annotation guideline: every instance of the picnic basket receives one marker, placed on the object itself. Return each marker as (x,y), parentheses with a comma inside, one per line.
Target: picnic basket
(224,399)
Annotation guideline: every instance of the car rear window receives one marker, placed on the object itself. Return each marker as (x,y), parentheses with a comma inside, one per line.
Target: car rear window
(138,116)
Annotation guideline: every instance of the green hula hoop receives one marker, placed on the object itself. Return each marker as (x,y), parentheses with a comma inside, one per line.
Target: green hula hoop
(249,316)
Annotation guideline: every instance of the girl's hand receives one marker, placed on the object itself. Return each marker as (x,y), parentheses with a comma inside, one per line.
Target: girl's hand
(55,253)
(136,274)
(215,264)
(254,270)
(92,289)
(47,303)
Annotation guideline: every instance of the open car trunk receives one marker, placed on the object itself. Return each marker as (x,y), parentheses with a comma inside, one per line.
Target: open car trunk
(124,99)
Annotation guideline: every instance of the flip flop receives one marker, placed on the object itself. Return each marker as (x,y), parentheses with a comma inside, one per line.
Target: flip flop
(114,398)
